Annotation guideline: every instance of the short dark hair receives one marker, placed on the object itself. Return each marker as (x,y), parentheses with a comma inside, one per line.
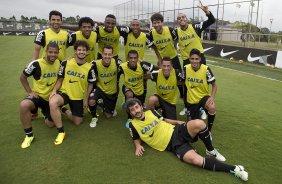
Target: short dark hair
(133,52)
(166,59)
(111,16)
(85,20)
(156,17)
(131,102)
(55,12)
(195,51)
(108,47)
(81,44)
(53,45)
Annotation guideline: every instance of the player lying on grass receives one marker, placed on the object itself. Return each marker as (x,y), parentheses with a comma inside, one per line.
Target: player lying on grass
(175,136)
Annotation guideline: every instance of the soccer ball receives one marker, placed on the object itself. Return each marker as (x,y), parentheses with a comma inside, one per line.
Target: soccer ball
(241,61)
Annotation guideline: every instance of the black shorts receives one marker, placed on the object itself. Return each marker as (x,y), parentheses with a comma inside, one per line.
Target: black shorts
(168,110)
(139,97)
(180,141)
(109,101)
(187,61)
(42,104)
(176,63)
(194,109)
(76,106)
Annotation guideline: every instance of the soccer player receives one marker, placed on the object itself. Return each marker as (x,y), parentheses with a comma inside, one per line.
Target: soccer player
(165,96)
(189,35)
(175,136)
(87,34)
(44,72)
(109,35)
(135,40)
(75,82)
(106,90)
(197,79)
(52,34)
(133,72)
(162,39)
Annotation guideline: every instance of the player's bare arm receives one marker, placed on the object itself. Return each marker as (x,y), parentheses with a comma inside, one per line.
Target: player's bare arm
(139,149)
(26,85)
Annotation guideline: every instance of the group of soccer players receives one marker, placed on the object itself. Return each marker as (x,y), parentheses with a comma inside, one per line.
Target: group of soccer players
(86,81)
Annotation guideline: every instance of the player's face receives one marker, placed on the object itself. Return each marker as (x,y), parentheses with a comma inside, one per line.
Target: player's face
(135,26)
(55,21)
(166,67)
(158,25)
(107,56)
(110,23)
(52,54)
(132,60)
(136,111)
(195,61)
(81,52)
(86,29)
(182,20)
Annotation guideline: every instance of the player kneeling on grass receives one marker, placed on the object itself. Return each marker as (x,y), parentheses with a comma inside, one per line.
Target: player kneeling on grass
(165,96)
(106,90)
(176,136)
(44,72)
(197,79)
(75,82)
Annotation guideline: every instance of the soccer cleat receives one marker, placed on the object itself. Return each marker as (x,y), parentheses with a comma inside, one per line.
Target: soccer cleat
(27,141)
(214,153)
(240,172)
(203,114)
(93,122)
(127,123)
(114,113)
(183,111)
(60,138)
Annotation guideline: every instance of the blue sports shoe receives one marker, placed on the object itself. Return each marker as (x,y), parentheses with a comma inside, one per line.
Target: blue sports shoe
(127,123)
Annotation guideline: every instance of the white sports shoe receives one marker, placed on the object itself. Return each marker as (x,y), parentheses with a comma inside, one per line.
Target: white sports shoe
(240,172)
(114,113)
(203,114)
(183,111)
(214,153)
(93,122)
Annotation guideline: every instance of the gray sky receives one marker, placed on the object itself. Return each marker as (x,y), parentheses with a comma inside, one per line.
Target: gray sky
(97,9)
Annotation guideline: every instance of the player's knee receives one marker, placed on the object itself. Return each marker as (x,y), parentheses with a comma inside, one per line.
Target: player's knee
(91,102)
(153,100)
(128,95)
(77,121)
(49,124)
(196,124)
(25,105)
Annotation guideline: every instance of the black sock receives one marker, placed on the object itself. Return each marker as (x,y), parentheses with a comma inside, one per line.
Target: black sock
(211,118)
(214,165)
(181,90)
(204,135)
(61,130)
(28,132)
(93,109)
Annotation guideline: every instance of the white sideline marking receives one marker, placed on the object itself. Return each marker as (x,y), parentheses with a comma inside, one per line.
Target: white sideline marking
(243,72)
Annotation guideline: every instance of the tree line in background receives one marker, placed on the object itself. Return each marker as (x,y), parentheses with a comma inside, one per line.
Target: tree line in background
(245,27)
(23,19)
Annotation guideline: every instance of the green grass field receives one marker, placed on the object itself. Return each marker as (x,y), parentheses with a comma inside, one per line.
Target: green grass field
(247,131)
